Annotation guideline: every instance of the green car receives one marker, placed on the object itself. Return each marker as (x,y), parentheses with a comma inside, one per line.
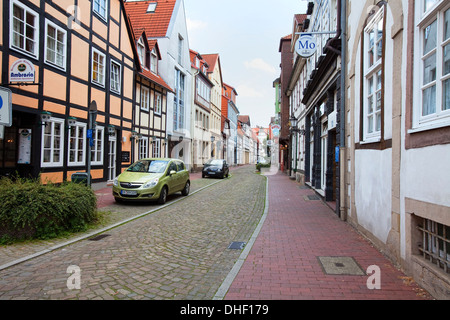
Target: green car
(152,179)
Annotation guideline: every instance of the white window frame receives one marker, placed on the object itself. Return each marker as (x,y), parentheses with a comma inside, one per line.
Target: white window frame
(145,103)
(64,44)
(156,148)
(141,51)
(424,19)
(143,148)
(101,74)
(77,149)
(52,123)
(116,79)
(99,131)
(35,52)
(154,61)
(100,2)
(373,75)
(158,103)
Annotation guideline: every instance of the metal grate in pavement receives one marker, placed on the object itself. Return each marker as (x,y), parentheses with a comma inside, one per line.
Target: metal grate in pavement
(312,197)
(100,237)
(340,266)
(235,245)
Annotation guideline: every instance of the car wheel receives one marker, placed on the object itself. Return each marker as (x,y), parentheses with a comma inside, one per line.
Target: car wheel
(163,196)
(118,200)
(203,175)
(186,189)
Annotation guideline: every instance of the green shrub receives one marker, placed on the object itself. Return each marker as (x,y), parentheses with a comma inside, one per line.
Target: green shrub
(261,165)
(31,210)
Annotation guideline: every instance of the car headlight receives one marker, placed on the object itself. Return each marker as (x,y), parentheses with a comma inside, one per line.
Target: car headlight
(116,182)
(151,183)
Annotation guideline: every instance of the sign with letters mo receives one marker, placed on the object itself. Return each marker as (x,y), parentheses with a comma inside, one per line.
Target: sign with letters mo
(306,45)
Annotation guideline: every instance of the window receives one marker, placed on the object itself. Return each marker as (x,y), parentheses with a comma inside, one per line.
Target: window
(97,148)
(55,45)
(435,245)
(145,99)
(100,8)
(141,51)
(373,76)
(180,50)
(115,77)
(24,32)
(77,144)
(158,103)
(143,148)
(432,107)
(152,7)
(98,67)
(52,138)
(157,148)
(154,62)
(178,111)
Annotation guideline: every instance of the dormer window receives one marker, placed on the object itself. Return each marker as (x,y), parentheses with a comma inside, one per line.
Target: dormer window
(151,7)
(141,51)
(154,61)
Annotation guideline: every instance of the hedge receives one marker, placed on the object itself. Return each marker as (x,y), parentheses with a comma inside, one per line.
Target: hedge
(31,210)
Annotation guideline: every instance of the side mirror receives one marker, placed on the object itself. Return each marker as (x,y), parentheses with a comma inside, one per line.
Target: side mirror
(172,172)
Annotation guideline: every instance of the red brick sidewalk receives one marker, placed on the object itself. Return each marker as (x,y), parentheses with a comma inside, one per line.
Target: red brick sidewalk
(284,261)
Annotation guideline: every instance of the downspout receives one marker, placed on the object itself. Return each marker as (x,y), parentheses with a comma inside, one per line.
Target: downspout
(342,207)
(341,32)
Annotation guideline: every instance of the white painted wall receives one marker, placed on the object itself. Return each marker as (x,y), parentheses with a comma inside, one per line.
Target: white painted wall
(373,183)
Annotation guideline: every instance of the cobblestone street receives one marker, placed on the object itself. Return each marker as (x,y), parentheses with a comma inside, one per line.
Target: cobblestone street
(178,252)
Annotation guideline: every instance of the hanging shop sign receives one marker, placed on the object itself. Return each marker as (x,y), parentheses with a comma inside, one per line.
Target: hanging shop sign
(306,45)
(276,130)
(5,107)
(22,70)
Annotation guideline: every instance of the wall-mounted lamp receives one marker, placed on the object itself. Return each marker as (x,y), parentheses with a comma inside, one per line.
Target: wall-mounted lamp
(111,130)
(71,121)
(134,134)
(212,139)
(45,117)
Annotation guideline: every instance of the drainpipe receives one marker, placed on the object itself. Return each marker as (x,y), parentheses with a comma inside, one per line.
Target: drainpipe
(343,21)
(341,32)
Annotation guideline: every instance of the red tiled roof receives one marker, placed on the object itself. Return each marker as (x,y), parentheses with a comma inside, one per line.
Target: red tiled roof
(154,78)
(155,23)
(211,60)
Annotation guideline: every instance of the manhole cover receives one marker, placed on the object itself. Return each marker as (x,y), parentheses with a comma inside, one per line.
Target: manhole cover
(341,266)
(236,245)
(304,187)
(100,237)
(312,197)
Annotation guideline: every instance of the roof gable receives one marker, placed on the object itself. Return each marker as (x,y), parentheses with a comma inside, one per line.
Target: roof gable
(155,23)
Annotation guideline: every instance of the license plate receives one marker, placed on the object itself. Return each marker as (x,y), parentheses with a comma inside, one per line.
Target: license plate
(128,193)
(211,173)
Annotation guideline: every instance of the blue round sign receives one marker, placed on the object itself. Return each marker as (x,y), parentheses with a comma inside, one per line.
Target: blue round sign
(1,102)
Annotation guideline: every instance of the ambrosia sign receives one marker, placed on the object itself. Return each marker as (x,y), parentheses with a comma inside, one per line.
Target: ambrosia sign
(22,70)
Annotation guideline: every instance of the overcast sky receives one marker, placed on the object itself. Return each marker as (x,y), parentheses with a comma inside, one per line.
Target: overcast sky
(246,34)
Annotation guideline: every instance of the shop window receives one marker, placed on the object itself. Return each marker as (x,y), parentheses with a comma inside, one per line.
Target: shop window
(52,143)
(77,144)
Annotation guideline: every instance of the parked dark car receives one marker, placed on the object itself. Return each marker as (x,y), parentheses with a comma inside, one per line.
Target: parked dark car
(215,168)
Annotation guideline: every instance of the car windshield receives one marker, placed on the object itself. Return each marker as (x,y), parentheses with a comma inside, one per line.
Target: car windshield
(148,166)
(215,163)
